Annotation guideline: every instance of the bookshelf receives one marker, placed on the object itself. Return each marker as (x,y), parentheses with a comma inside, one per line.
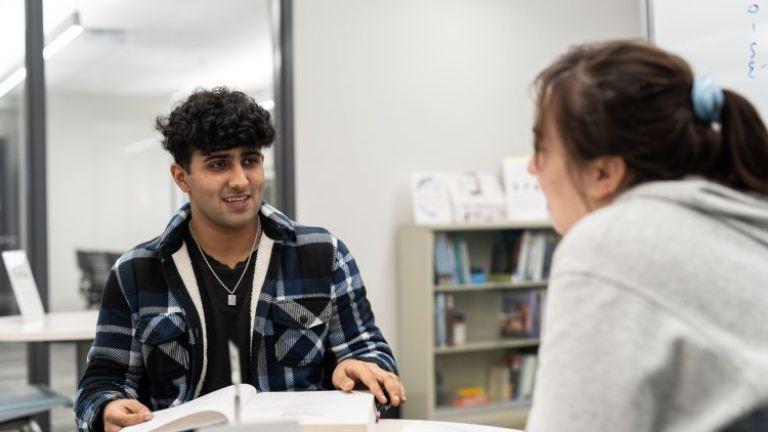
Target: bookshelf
(467,364)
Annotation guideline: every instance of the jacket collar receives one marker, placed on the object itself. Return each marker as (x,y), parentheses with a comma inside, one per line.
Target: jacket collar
(275,224)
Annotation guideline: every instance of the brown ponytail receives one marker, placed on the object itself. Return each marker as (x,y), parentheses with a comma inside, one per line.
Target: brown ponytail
(745,144)
(633,100)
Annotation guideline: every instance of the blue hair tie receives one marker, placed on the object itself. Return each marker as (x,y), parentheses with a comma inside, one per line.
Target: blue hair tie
(707,98)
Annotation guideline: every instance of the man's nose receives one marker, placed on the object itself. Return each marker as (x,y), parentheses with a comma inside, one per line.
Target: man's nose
(239,179)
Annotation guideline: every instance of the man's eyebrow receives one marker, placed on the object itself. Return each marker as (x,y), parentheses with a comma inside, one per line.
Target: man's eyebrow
(219,155)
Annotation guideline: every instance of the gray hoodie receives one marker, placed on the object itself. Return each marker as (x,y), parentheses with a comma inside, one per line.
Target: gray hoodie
(657,314)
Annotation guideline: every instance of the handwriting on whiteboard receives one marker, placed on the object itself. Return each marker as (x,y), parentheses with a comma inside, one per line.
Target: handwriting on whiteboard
(753,10)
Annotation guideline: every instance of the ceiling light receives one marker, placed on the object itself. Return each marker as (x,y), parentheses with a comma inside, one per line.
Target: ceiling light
(61,37)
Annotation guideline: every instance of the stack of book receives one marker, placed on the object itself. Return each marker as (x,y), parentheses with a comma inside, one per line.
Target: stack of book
(467,397)
(522,256)
(514,380)
(452,264)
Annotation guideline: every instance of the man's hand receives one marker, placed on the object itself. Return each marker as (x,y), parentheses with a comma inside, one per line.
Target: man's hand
(124,412)
(351,372)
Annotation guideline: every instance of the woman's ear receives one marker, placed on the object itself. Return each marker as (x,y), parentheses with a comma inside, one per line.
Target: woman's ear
(179,175)
(607,177)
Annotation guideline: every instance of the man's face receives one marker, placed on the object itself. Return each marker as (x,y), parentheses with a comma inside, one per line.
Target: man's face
(224,187)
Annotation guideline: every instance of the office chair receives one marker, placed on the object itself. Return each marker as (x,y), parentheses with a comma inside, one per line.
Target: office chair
(20,403)
(94,272)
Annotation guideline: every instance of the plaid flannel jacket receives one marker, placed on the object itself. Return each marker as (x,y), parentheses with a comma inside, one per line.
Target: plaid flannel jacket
(308,313)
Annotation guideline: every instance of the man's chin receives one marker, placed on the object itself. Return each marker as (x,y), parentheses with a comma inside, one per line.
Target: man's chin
(241,221)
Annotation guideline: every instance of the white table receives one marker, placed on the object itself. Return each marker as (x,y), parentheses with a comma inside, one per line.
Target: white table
(433,426)
(78,327)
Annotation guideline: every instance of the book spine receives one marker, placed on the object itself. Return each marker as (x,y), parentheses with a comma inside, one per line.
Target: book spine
(459,267)
(522,272)
(440,331)
(465,263)
(449,319)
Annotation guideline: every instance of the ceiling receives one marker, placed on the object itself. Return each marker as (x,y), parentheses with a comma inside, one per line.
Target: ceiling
(150,48)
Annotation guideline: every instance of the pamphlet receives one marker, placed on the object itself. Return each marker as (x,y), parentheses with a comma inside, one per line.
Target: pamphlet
(24,286)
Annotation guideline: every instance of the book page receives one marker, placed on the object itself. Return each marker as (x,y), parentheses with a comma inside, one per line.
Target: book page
(313,407)
(213,408)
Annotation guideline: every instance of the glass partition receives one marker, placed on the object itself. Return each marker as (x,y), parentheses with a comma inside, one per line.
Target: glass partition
(109,186)
(12,73)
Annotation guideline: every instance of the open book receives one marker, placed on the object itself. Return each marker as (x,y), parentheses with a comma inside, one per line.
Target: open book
(315,411)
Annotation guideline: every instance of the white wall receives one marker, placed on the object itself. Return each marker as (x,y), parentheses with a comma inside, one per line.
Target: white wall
(108,184)
(383,88)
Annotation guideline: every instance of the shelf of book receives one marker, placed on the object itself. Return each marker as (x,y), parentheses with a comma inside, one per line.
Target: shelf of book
(477,292)
(494,414)
(490,286)
(486,346)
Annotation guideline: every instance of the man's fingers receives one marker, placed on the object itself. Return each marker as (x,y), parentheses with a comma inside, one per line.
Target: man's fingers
(134,412)
(402,390)
(134,406)
(125,412)
(373,385)
(392,384)
(372,382)
(126,419)
(372,376)
(342,380)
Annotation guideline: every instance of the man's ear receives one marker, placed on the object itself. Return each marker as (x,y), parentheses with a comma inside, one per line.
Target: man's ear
(607,177)
(179,175)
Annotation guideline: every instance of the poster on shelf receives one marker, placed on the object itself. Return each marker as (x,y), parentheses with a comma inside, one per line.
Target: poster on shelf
(24,286)
(457,197)
(431,199)
(477,197)
(525,200)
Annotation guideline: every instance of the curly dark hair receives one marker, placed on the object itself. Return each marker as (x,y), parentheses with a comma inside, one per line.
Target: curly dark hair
(213,120)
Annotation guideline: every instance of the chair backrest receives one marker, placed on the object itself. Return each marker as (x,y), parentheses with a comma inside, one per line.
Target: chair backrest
(24,400)
(94,267)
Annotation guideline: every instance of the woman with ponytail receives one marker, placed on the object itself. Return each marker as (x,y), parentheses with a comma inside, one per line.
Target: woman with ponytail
(657,313)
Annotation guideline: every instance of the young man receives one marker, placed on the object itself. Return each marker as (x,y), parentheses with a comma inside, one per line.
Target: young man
(228,268)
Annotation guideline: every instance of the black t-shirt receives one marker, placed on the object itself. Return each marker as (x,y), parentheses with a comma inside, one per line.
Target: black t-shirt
(222,321)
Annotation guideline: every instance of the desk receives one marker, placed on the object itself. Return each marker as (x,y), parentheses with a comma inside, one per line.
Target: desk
(388,425)
(78,327)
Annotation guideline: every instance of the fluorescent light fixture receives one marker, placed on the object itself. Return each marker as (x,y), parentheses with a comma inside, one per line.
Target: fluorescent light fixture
(61,41)
(14,79)
(61,37)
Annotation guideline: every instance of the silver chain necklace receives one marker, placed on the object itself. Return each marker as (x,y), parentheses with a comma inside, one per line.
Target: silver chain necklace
(231,297)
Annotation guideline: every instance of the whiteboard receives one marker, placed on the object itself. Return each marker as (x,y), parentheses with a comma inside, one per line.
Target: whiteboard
(727,39)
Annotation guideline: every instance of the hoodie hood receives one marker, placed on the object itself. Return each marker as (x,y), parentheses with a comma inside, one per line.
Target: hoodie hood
(745,212)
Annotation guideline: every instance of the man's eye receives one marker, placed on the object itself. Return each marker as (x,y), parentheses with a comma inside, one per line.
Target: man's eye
(218,165)
(252,161)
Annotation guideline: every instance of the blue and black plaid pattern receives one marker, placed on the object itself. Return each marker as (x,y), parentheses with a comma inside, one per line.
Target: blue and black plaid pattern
(312,313)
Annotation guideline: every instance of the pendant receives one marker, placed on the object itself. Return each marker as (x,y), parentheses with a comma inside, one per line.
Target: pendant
(231,299)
